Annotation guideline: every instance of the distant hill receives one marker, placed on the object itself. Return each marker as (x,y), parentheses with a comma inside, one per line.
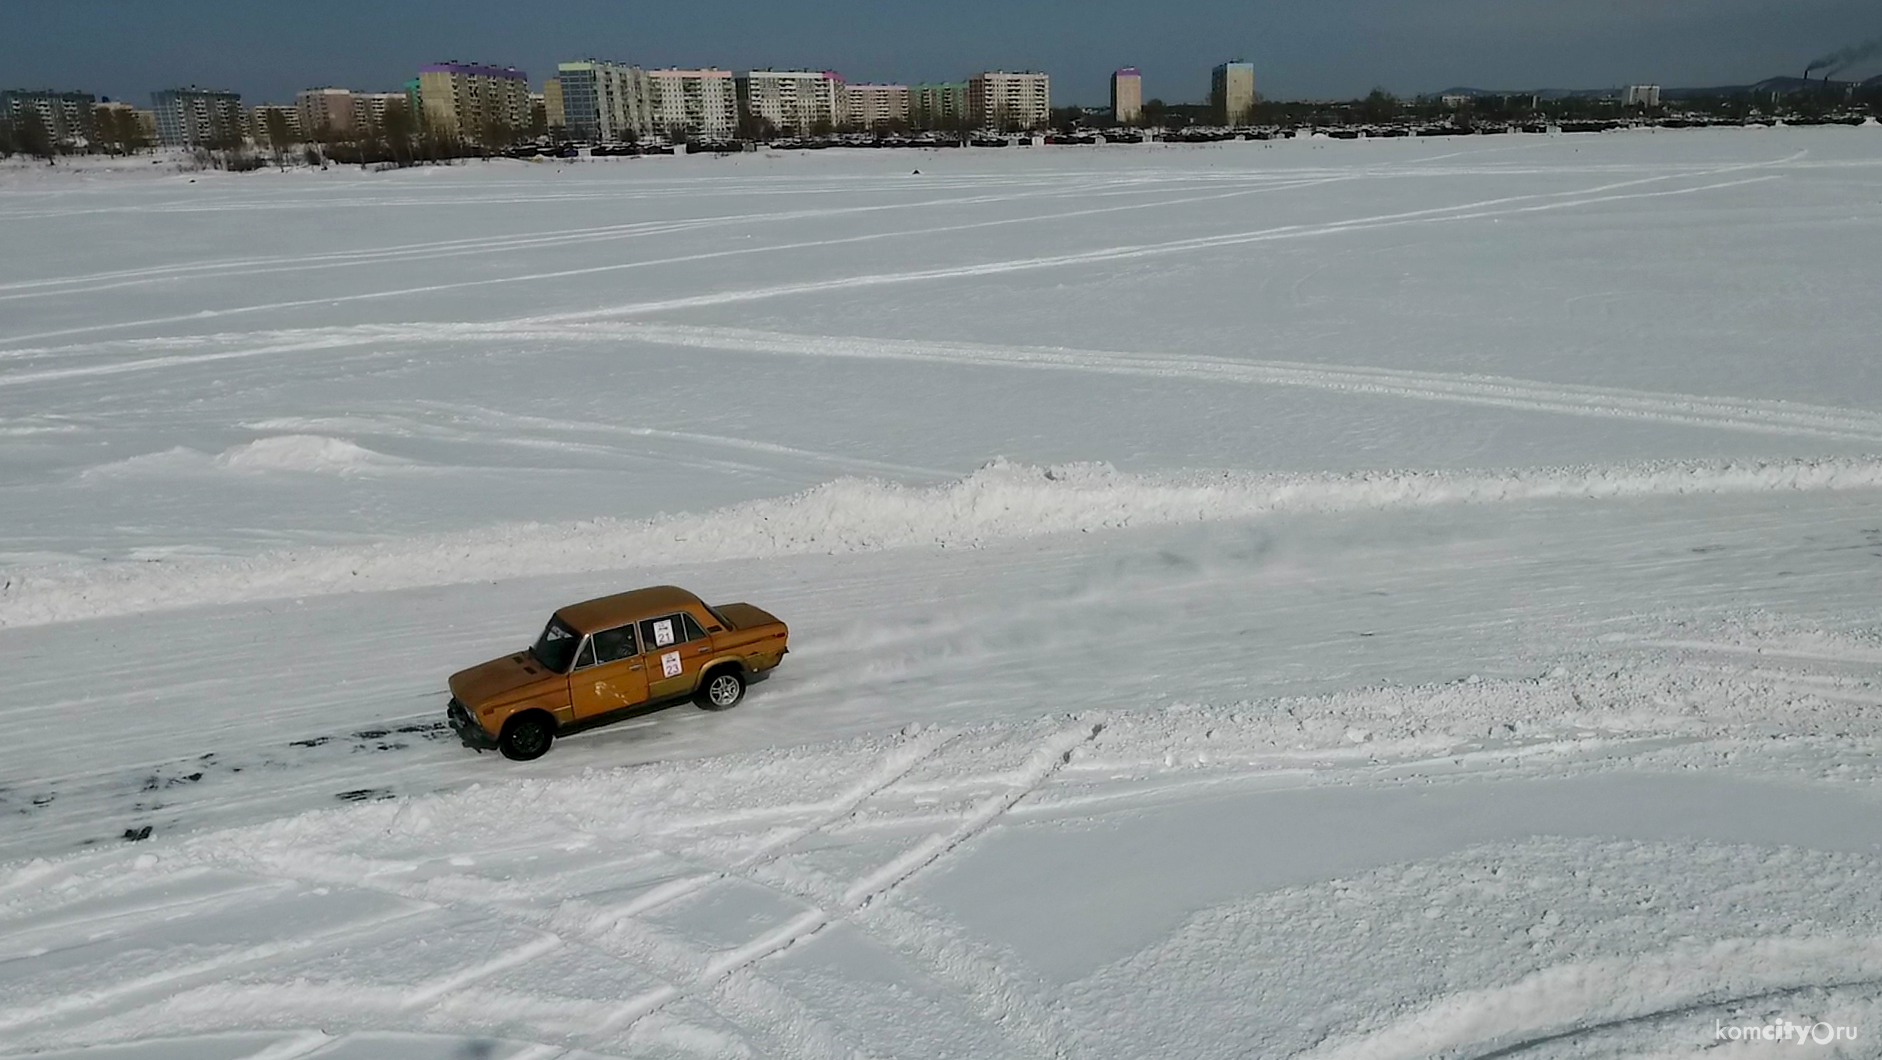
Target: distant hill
(1780,85)
(1540,93)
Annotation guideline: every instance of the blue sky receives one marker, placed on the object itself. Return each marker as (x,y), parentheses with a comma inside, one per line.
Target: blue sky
(268,49)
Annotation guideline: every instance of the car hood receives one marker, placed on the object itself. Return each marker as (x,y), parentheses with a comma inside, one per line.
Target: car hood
(502,680)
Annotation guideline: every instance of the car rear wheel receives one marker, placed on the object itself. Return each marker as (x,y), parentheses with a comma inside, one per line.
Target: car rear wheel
(722,690)
(526,737)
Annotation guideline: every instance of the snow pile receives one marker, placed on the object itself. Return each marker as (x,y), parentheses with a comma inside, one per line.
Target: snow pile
(1001,501)
(297,453)
(309,453)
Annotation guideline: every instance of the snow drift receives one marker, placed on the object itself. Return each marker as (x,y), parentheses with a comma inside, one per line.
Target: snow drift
(1001,501)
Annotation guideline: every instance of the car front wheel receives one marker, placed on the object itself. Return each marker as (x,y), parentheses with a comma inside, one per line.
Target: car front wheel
(526,737)
(722,691)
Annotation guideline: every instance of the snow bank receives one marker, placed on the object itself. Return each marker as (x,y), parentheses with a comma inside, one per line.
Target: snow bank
(1001,501)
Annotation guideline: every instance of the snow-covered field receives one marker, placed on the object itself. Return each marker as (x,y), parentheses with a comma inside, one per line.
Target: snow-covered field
(1319,599)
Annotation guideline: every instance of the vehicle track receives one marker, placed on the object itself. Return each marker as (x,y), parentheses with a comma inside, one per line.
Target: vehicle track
(1503,206)
(1754,415)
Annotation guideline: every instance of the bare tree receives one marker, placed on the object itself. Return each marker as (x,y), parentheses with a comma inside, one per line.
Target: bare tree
(32,137)
(397,127)
(752,126)
(280,137)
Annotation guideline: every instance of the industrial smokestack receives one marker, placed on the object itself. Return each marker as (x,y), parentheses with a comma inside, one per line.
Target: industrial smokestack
(1837,61)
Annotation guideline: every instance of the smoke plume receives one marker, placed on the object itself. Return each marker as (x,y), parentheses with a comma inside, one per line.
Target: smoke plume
(1837,61)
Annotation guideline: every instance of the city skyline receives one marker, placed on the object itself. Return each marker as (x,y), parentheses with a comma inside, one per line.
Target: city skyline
(125,52)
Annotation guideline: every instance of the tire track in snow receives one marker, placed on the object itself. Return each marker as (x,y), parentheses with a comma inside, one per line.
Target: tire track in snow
(591,270)
(110,280)
(612,932)
(1722,413)
(886,773)
(1529,1046)
(1487,208)
(210,967)
(1564,1001)
(1490,208)
(1046,761)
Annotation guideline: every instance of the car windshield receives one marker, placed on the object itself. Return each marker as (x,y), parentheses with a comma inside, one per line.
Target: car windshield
(555,649)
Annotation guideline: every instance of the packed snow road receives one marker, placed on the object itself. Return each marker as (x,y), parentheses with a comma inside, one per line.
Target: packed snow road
(1321,599)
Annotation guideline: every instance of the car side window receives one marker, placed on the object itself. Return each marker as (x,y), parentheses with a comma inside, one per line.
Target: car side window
(586,657)
(693,632)
(615,644)
(657,633)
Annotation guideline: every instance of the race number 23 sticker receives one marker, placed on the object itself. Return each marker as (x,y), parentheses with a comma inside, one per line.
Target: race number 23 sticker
(670,664)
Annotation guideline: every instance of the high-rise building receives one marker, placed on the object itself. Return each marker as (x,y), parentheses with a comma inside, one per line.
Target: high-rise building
(343,114)
(940,106)
(1007,101)
(258,122)
(875,106)
(191,117)
(799,102)
(701,104)
(1641,96)
(142,123)
(1232,92)
(325,112)
(605,102)
(66,116)
(1127,96)
(552,104)
(475,102)
(369,108)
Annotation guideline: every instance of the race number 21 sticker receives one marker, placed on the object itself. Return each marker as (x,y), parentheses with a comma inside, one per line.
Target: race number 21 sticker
(670,664)
(663,633)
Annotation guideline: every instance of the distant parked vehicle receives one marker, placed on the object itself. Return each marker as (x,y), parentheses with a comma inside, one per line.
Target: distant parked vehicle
(611,655)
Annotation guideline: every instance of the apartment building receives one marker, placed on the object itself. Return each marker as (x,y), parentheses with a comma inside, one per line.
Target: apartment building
(369,108)
(143,122)
(1641,96)
(604,102)
(875,106)
(794,101)
(66,116)
(190,117)
(325,112)
(259,116)
(552,109)
(998,99)
(342,114)
(1232,92)
(938,106)
(474,102)
(1127,96)
(701,104)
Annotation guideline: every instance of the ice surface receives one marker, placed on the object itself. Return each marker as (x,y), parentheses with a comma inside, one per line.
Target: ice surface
(1333,599)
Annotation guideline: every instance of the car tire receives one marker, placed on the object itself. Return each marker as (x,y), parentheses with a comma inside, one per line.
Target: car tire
(527,737)
(721,690)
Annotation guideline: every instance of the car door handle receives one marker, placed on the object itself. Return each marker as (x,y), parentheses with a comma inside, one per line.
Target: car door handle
(636,666)
(702,651)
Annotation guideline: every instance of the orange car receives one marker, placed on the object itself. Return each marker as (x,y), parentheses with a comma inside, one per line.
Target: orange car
(612,654)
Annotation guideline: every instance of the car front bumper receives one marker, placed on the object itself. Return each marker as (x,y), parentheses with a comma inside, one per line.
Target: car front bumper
(466,726)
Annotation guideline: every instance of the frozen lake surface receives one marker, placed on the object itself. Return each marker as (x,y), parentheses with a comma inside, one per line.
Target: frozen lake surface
(1309,598)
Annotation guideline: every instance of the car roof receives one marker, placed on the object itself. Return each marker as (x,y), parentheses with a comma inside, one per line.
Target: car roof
(607,612)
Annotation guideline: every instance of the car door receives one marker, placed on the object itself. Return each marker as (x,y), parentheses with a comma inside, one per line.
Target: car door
(609,673)
(676,649)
